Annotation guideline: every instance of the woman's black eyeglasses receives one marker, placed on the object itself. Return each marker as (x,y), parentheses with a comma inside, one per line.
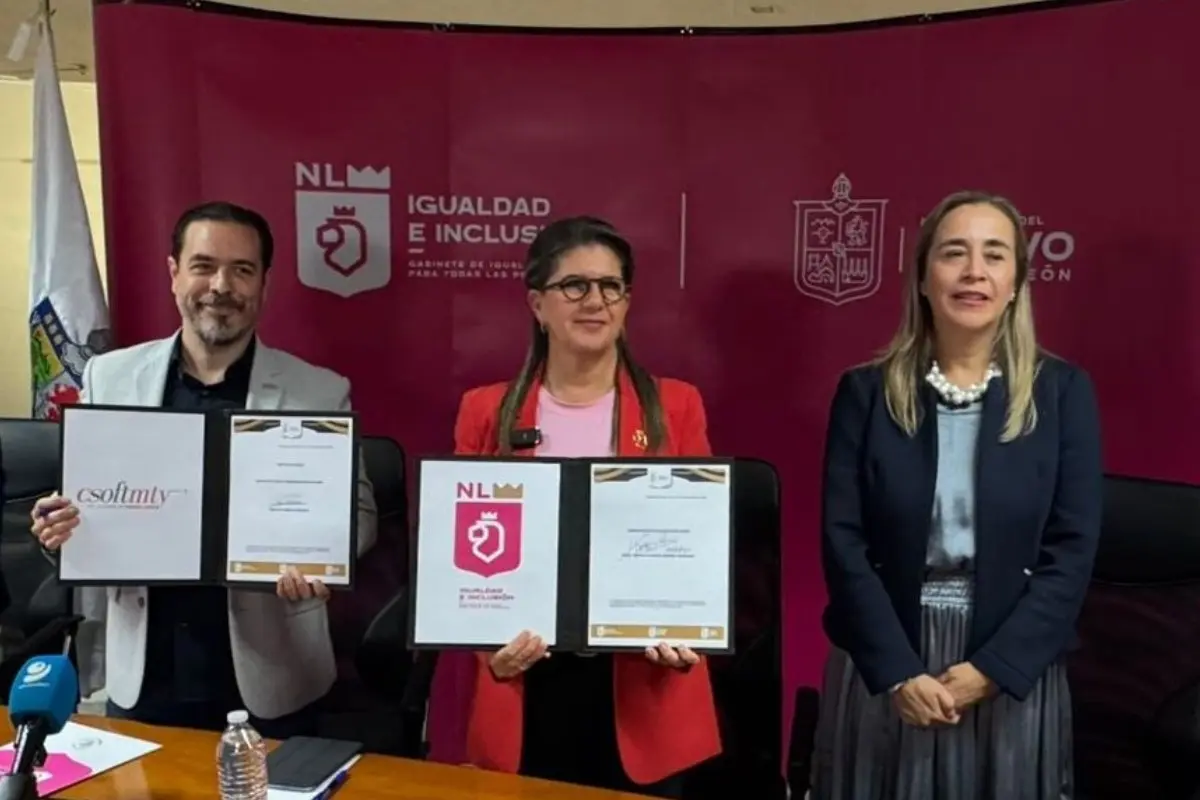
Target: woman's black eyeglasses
(575,288)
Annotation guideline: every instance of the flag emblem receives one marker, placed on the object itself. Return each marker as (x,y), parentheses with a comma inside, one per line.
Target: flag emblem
(68,315)
(57,361)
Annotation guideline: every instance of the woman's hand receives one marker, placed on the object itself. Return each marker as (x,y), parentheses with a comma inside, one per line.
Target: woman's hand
(518,656)
(923,701)
(295,587)
(54,520)
(967,685)
(676,657)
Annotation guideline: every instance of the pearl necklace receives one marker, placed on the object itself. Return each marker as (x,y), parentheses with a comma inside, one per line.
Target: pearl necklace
(955,396)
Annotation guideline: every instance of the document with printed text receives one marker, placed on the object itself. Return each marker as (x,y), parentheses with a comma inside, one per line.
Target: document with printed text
(487,553)
(292,497)
(137,479)
(660,556)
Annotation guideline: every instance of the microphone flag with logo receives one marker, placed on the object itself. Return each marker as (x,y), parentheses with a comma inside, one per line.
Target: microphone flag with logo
(45,692)
(42,699)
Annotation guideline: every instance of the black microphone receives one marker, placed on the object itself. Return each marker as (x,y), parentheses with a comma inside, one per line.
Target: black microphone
(44,695)
(525,438)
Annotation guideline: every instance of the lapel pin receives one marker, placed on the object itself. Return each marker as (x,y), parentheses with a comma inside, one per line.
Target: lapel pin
(640,441)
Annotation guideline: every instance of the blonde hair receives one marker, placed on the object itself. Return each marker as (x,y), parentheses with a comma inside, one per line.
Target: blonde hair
(909,355)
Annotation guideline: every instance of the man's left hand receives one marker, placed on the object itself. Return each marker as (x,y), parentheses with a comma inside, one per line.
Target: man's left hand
(294,586)
(967,685)
(676,657)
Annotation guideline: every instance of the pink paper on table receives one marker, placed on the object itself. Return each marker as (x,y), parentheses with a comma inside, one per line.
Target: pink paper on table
(59,772)
(79,752)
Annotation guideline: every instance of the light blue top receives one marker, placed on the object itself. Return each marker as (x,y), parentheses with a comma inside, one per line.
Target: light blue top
(952,532)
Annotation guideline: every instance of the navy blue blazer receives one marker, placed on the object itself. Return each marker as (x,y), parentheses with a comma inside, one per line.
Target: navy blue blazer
(1037,518)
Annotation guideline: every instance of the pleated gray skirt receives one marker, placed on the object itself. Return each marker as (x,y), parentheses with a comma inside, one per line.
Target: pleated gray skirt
(1001,749)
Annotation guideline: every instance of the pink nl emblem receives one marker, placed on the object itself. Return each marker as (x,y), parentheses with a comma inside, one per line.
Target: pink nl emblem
(487,537)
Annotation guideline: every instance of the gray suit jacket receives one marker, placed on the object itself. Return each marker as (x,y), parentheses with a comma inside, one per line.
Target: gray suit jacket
(282,652)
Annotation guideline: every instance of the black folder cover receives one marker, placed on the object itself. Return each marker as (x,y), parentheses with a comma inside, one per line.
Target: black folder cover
(215,513)
(574,548)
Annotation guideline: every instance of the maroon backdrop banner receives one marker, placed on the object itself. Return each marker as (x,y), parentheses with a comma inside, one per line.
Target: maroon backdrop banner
(771,185)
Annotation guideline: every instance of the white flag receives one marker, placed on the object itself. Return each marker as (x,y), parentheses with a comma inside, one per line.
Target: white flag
(68,320)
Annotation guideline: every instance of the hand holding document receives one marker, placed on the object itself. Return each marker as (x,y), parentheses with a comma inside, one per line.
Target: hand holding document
(659,560)
(170,497)
(289,480)
(620,554)
(138,482)
(487,552)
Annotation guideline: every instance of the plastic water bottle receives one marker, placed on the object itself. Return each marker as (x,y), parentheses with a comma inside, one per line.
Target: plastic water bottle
(241,760)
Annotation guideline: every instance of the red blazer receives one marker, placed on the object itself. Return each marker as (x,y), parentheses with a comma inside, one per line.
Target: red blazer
(666,719)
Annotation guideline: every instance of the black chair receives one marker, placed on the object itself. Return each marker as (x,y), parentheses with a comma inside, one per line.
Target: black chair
(383,571)
(1135,677)
(399,677)
(383,653)
(38,619)
(748,686)
(382,660)
(361,705)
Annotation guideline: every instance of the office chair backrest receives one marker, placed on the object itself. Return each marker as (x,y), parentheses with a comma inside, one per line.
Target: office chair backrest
(1151,533)
(29,455)
(1134,677)
(385,462)
(382,572)
(748,685)
(37,618)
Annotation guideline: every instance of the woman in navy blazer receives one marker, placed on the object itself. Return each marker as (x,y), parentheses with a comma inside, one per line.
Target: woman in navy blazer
(961,512)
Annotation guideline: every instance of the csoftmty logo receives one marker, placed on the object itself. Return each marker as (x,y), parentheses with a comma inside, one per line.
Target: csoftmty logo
(343,227)
(487,528)
(122,495)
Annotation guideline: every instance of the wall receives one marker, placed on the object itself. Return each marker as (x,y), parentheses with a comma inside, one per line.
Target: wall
(16,153)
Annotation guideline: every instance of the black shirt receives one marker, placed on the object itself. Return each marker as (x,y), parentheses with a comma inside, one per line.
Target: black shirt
(570,732)
(189,660)
(186,393)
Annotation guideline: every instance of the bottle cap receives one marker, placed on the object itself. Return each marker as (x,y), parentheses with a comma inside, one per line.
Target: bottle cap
(238,717)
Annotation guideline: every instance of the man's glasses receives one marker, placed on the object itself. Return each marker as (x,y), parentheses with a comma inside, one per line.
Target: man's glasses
(575,288)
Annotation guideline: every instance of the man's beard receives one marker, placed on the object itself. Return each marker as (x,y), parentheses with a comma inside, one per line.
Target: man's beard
(216,331)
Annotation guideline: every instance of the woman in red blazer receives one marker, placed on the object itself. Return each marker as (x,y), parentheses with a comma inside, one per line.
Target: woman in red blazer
(627,721)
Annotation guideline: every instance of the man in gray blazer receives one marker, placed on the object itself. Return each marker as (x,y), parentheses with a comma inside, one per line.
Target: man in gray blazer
(185,656)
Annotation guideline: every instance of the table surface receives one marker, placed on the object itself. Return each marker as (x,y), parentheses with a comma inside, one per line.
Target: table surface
(185,769)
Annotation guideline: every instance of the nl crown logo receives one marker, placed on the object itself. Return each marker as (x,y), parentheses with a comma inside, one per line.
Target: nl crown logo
(508,491)
(487,528)
(343,227)
(839,246)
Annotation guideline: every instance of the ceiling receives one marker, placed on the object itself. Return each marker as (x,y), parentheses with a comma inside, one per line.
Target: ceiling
(73,23)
